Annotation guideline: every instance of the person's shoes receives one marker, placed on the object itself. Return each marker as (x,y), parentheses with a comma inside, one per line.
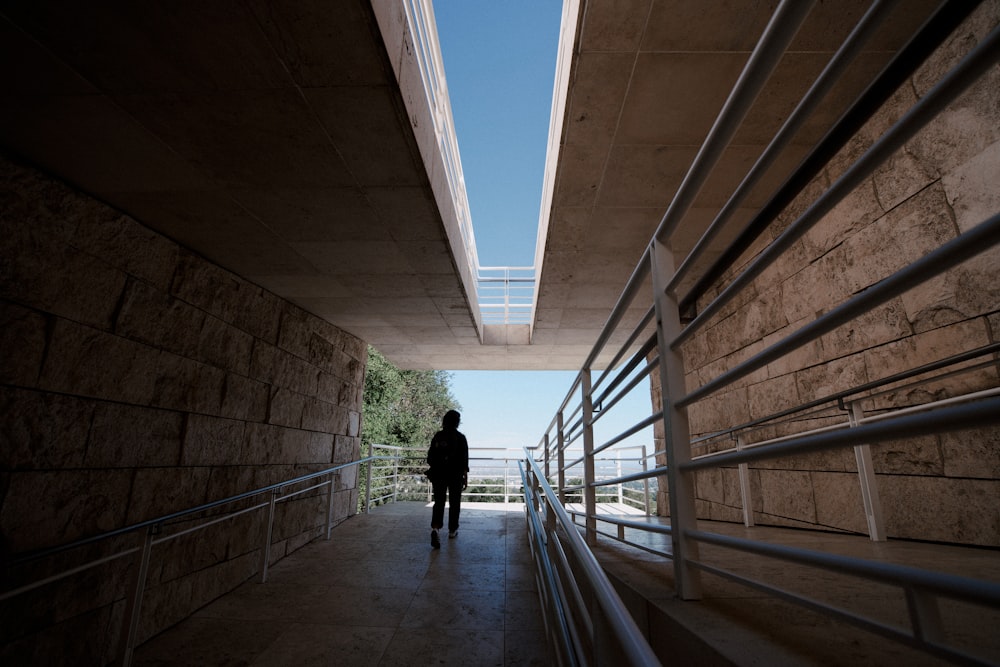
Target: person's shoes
(453,533)
(435,542)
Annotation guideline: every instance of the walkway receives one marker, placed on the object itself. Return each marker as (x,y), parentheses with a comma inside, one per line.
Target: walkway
(377,594)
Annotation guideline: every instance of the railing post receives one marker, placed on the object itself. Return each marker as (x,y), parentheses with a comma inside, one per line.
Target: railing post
(329,505)
(545,440)
(395,477)
(677,436)
(589,490)
(368,483)
(621,485)
(645,481)
(745,498)
(560,459)
(866,476)
(265,552)
(137,587)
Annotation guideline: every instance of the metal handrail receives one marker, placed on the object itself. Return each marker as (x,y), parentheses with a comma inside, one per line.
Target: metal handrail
(560,529)
(676,324)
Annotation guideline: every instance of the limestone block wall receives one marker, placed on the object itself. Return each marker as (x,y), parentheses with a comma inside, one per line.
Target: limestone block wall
(944,488)
(140,379)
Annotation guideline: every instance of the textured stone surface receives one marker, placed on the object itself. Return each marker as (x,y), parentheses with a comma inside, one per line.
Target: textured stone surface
(942,509)
(147,381)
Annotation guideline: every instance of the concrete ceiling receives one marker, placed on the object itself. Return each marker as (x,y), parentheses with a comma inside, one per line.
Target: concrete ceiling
(290,142)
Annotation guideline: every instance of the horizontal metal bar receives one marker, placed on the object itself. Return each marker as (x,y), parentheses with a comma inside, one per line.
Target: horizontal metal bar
(42,553)
(954,83)
(953,418)
(645,423)
(931,35)
(809,102)
(973,242)
(950,585)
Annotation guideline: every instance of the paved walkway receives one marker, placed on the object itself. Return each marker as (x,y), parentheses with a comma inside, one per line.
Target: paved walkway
(377,594)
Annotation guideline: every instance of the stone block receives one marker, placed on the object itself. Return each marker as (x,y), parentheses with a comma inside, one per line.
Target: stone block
(854,212)
(159,491)
(296,446)
(212,441)
(227,296)
(285,408)
(966,291)
(185,384)
(41,431)
(230,480)
(224,346)
(354,422)
(159,320)
(913,456)
(125,436)
(817,382)
(942,509)
(87,362)
(719,411)
(261,444)
(788,494)
(244,399)
(344,448)
(189,553)
(44,273)
(128,246)
(281,369)
(884,324)
(838,501)
(972,453)
(971,190)
(708,486)
(773,395)
(22,337)
(321,447)
(918,350)
(47,508)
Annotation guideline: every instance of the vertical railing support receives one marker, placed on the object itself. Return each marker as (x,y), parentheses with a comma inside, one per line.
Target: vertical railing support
(368,483)
(621,485)
(137,588)
(745,497)
(545,444)
(645,481)
(560,458)
(589,490)
(395,477)
(677,436)
(329,505)
(866,476)
(265,551)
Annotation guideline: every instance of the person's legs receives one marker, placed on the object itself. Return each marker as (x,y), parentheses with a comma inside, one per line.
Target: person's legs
(454,504)
(437,514)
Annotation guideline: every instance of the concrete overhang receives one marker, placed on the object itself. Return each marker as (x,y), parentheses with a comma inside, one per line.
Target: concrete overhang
(297,145)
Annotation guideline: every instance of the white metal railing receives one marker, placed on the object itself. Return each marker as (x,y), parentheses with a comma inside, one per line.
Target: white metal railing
(161,530)
(506,294)
(586,621)
(654,345)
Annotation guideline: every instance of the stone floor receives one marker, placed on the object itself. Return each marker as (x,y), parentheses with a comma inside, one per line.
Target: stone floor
(377,594)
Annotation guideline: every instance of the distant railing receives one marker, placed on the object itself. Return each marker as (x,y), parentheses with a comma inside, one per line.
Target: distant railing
(506,294)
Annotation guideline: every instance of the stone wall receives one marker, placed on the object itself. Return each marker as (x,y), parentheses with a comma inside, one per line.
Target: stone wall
(942,488)
(139,379)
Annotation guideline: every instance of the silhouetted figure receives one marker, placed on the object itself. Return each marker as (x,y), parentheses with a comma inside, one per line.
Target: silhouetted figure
(448,458)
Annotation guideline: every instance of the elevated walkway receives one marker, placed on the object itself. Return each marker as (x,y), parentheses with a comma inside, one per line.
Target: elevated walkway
(377,594)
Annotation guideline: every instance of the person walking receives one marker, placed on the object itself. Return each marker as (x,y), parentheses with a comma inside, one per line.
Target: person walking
(448,458)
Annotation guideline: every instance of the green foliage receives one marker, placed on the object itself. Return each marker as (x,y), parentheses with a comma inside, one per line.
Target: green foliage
(402,408)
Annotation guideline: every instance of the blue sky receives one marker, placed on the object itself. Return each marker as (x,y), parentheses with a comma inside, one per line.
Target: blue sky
(499,59)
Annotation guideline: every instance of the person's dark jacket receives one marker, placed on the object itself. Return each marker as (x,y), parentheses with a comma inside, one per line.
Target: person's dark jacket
(448,456)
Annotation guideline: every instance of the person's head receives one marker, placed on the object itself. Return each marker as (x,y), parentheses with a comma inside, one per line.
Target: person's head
(451,419)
